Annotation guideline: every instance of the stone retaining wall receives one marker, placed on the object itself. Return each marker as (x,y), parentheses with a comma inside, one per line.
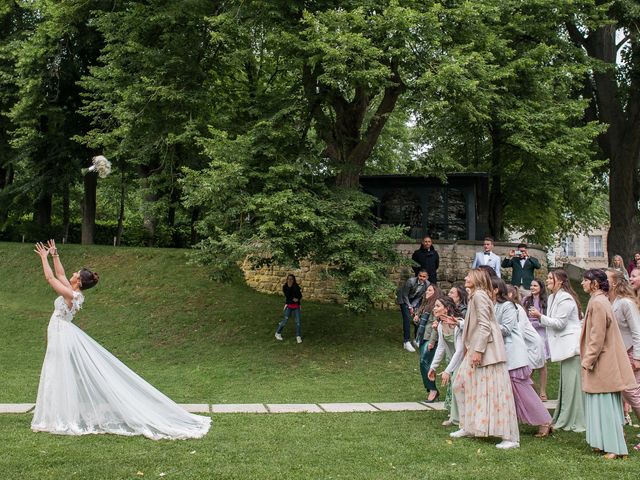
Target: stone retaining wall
(455,260)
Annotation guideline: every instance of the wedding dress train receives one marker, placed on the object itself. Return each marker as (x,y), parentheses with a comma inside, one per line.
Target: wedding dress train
(84,389)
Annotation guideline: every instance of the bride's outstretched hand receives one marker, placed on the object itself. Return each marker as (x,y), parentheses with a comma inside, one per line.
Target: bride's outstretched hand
(53,250)
(41,250)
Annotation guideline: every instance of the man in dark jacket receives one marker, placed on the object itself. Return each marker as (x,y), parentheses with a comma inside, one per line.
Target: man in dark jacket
(523,268)
(409,298)
(427,258)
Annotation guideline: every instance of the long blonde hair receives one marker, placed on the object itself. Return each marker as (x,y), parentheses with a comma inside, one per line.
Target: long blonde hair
(622,287)
(481,281)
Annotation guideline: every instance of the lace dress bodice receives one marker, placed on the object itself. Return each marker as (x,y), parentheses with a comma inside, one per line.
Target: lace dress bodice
(62,311)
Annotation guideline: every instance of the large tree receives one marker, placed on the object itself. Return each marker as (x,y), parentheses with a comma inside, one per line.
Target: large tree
(354,62)
(514,112)
(151,97)
(608,33)
(15,22)
(49,63)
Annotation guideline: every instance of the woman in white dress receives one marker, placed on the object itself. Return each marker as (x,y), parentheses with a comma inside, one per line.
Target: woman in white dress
(563,322)
(84,389)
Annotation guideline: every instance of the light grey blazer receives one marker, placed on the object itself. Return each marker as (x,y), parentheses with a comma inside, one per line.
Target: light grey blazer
(493,261)
(627,315)
(514,345)
(563,326)
(532,339)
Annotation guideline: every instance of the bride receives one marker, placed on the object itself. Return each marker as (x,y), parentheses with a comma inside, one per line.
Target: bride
(85,389)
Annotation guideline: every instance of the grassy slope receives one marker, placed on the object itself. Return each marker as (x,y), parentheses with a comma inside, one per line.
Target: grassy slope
(199,341)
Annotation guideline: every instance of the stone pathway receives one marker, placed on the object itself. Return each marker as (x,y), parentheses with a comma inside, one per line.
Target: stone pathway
(283,407)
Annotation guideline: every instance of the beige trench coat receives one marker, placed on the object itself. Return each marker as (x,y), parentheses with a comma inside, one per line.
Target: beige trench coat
(605,365)
(481,330)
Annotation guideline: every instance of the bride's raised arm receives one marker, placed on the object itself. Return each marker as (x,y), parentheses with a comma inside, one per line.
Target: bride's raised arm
(57,285)
(57,264)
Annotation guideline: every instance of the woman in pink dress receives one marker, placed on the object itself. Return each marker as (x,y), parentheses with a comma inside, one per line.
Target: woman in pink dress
(482,386)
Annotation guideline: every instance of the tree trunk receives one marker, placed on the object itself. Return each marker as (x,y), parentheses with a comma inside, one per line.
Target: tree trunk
(42,209)
(195,213)
(90,181)
(6,176)
(149,220)
(624,232)
(176,239)
(346,145)
(66,216)
(496,199)
(150,196)
(121,212)
(621,142)
(6,179)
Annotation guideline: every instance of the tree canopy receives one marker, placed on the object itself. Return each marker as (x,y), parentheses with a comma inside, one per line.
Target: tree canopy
(242,127)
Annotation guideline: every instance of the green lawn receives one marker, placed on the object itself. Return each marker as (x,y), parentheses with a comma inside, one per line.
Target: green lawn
(199,341)
(403,445)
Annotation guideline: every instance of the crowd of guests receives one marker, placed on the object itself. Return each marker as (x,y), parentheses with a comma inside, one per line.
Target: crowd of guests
(495,337)
(490,339)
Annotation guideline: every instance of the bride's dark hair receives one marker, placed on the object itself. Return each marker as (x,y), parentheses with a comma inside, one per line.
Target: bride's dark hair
(88,279)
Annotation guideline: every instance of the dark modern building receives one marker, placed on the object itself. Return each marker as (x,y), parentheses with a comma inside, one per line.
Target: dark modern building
(453,210)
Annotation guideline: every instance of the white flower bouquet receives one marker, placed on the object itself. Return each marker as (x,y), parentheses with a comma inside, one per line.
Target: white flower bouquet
(100,165)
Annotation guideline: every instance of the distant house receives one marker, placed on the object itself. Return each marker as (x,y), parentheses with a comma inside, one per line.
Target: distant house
(583,250)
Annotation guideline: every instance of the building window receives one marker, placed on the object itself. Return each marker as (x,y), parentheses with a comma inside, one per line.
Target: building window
(440,212)
(402,207)
(595,246)
(567,244)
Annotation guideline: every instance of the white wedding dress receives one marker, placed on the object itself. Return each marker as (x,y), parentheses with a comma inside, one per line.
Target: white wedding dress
(85,389)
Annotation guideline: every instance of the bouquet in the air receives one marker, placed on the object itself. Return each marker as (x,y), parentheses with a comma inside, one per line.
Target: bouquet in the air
(100,165)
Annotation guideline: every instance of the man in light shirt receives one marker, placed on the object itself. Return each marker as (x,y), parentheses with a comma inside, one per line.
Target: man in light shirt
(487,257)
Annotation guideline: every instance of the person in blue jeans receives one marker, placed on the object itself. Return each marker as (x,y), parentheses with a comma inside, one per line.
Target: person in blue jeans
(292,295)
(408,298)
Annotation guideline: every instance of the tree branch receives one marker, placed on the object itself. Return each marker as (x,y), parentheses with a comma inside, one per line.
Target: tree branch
(575,35)
(622,42)
(387,105)
(314,97)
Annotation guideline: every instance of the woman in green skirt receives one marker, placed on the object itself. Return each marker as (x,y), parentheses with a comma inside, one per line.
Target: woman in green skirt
(562,322)
(605,369)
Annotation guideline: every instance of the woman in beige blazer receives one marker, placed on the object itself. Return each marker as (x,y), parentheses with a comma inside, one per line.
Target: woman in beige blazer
(626,312)
(482,386)
(605,369)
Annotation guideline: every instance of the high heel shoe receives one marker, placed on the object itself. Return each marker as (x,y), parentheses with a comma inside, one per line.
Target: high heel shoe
(544,431)
(435,399)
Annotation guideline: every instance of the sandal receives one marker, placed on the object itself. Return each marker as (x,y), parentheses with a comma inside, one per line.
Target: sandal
(613,456)
(544,431)
(636,447)
(543,397)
